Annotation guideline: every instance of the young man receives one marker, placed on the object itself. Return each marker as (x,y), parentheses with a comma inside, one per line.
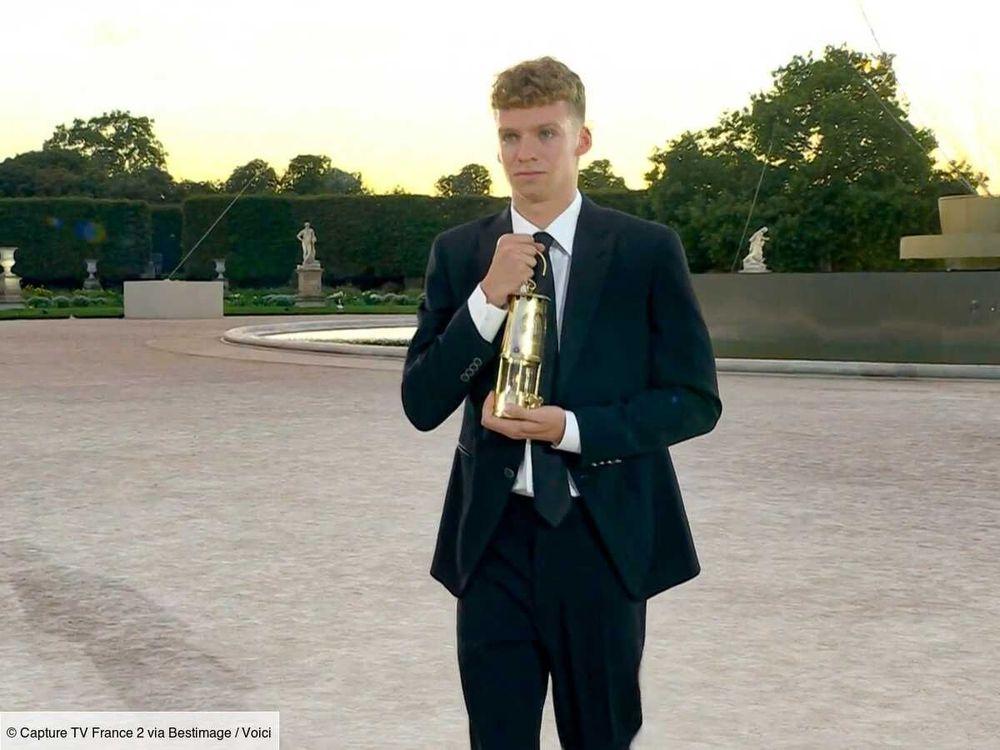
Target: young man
(559,522)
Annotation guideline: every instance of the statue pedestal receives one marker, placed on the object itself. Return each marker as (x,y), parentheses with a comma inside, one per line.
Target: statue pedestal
(10,283)
(754,266)
(10,292)
(168,299)
(310,286)
(92,282)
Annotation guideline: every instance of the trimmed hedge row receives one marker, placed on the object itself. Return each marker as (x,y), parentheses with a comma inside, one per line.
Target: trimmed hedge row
(357,236)
(55,235)
(167,227)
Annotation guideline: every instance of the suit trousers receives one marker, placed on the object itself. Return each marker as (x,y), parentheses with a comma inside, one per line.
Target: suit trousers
(543,601)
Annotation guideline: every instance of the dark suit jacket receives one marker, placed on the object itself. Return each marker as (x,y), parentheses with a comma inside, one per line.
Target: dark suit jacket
(636,367)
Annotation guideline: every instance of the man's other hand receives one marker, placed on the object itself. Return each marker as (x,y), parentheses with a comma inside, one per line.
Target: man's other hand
(541,423)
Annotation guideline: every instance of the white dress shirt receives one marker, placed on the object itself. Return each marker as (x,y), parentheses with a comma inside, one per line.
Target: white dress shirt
(489,319)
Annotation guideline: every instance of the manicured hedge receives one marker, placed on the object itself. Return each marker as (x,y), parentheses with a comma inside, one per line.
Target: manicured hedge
(55,235)
(359,237)
(167,228)
(382,236)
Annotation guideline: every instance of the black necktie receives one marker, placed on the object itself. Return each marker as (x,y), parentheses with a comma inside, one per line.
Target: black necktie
(548,471)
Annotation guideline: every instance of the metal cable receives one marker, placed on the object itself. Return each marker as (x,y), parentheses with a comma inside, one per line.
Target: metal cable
(225,211)
(893,117)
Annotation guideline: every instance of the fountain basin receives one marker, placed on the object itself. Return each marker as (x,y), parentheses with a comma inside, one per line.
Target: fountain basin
(356,337)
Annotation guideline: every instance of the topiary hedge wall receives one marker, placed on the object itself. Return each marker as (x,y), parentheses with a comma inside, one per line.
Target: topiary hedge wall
(373,237)
(167,229)
(382,236)
(55,235)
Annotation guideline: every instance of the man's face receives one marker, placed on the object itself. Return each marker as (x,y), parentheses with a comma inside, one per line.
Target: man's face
(539,148)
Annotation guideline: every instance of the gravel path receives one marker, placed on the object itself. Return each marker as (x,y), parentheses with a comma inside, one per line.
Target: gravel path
(189,525)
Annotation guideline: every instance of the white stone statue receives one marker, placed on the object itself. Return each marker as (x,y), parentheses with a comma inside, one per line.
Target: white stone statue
(307,236)
(757,240)
(754,260)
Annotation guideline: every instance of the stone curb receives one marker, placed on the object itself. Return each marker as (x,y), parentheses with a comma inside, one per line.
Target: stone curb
(257,335)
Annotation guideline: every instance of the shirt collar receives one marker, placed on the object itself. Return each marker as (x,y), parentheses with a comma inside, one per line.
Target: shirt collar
(562,228)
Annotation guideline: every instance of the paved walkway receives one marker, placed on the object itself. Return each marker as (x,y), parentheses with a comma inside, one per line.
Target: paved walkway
(188,525)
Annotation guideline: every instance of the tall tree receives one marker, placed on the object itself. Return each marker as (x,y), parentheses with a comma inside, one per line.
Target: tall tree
(118,142)
(150,184)
(842,172)
(341,182)
(839,119)
(50,173)
(472,179)
(702,184)
(598,176)
(310,174)
(186,188)
(265,179)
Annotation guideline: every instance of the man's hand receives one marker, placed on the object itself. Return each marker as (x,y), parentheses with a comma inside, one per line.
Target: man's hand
(541,423)
(513,264)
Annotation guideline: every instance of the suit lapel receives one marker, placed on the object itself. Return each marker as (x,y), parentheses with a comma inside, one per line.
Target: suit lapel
(592,251)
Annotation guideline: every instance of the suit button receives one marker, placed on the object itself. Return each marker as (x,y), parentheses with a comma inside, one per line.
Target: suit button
(477,361)
(508,472)
(464,377)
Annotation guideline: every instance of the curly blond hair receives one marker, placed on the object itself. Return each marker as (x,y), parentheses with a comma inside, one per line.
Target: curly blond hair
(534,83)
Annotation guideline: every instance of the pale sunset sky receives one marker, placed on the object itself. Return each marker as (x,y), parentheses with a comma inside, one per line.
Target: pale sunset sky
(400,91)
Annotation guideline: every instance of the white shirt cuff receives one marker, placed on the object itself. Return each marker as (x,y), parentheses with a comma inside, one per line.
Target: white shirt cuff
(489,318)
(571,435)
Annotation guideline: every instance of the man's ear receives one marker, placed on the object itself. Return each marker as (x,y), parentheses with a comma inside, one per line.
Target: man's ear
(584,141)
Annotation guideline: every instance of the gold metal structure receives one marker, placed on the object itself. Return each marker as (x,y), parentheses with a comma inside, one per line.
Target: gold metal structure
(519,376)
